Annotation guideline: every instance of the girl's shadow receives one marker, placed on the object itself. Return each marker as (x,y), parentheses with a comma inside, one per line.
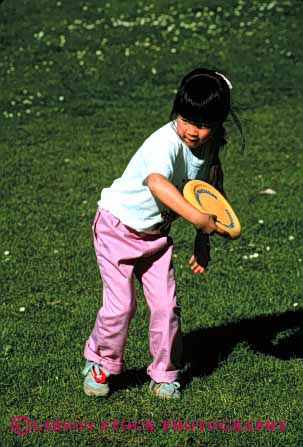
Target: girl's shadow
(279,335)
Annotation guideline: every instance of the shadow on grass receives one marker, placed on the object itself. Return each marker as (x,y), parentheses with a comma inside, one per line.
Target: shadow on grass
(279,335)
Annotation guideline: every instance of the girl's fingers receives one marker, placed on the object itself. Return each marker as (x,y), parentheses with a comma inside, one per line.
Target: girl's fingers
(195,267)
(198,269)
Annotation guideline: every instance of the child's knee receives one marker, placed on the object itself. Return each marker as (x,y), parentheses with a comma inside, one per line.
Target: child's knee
(168,311)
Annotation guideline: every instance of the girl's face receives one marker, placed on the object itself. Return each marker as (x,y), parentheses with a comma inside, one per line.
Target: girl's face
(192,134)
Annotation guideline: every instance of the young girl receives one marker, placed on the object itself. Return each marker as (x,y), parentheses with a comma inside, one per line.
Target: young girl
(131,233)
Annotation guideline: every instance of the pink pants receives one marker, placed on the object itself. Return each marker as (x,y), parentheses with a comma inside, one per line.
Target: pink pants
(122,253)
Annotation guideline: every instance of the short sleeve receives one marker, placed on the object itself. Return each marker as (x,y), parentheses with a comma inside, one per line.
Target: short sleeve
(160,157)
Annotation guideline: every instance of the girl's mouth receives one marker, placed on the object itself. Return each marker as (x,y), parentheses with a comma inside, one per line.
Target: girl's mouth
(193,140)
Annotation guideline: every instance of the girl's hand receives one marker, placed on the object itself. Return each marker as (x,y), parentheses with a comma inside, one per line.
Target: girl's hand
(195,267)
(207,224)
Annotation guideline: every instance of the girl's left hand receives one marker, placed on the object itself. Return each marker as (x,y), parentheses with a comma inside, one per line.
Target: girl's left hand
(195,267)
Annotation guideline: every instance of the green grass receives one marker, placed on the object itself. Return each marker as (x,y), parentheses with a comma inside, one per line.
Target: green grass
(82,84)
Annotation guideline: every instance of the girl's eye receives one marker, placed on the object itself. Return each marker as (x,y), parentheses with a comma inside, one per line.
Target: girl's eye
(199,126)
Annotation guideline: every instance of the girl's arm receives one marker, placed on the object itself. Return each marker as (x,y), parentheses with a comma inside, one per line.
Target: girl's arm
(169,195)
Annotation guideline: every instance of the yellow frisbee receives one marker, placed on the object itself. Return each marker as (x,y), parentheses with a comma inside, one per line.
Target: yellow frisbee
(208,199)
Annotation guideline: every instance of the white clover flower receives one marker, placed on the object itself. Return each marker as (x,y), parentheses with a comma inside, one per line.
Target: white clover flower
(295,304)
(245,257)
(291,238)
(22,309)
(61,98)
(6,253)
(268,191)
(62,40)
(261,221)
(39,35)
(271,5)
(154,71)
(267,248)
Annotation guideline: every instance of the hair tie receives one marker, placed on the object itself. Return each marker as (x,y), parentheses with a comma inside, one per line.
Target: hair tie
(225,79)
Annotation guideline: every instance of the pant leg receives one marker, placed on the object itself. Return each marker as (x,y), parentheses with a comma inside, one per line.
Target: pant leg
(157,276)
(116,263)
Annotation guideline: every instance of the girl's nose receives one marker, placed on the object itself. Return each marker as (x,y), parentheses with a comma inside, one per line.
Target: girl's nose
(193,131)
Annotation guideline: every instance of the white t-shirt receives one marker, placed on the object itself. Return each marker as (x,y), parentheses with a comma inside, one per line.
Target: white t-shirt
(163,152)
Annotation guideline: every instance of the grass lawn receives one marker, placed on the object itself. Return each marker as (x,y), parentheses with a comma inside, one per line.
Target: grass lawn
(82,84)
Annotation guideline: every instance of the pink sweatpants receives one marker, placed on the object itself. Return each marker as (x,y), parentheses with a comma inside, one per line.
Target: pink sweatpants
(123,253)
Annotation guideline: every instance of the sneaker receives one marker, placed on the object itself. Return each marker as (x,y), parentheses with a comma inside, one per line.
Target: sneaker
(95,382)
(165,390)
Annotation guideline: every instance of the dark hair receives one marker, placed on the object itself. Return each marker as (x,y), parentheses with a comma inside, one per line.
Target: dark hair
(203,97)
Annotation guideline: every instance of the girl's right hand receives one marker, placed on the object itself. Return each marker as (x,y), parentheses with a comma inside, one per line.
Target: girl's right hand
(208,224)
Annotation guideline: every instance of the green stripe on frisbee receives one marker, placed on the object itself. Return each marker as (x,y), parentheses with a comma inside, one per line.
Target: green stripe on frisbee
(208,199)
